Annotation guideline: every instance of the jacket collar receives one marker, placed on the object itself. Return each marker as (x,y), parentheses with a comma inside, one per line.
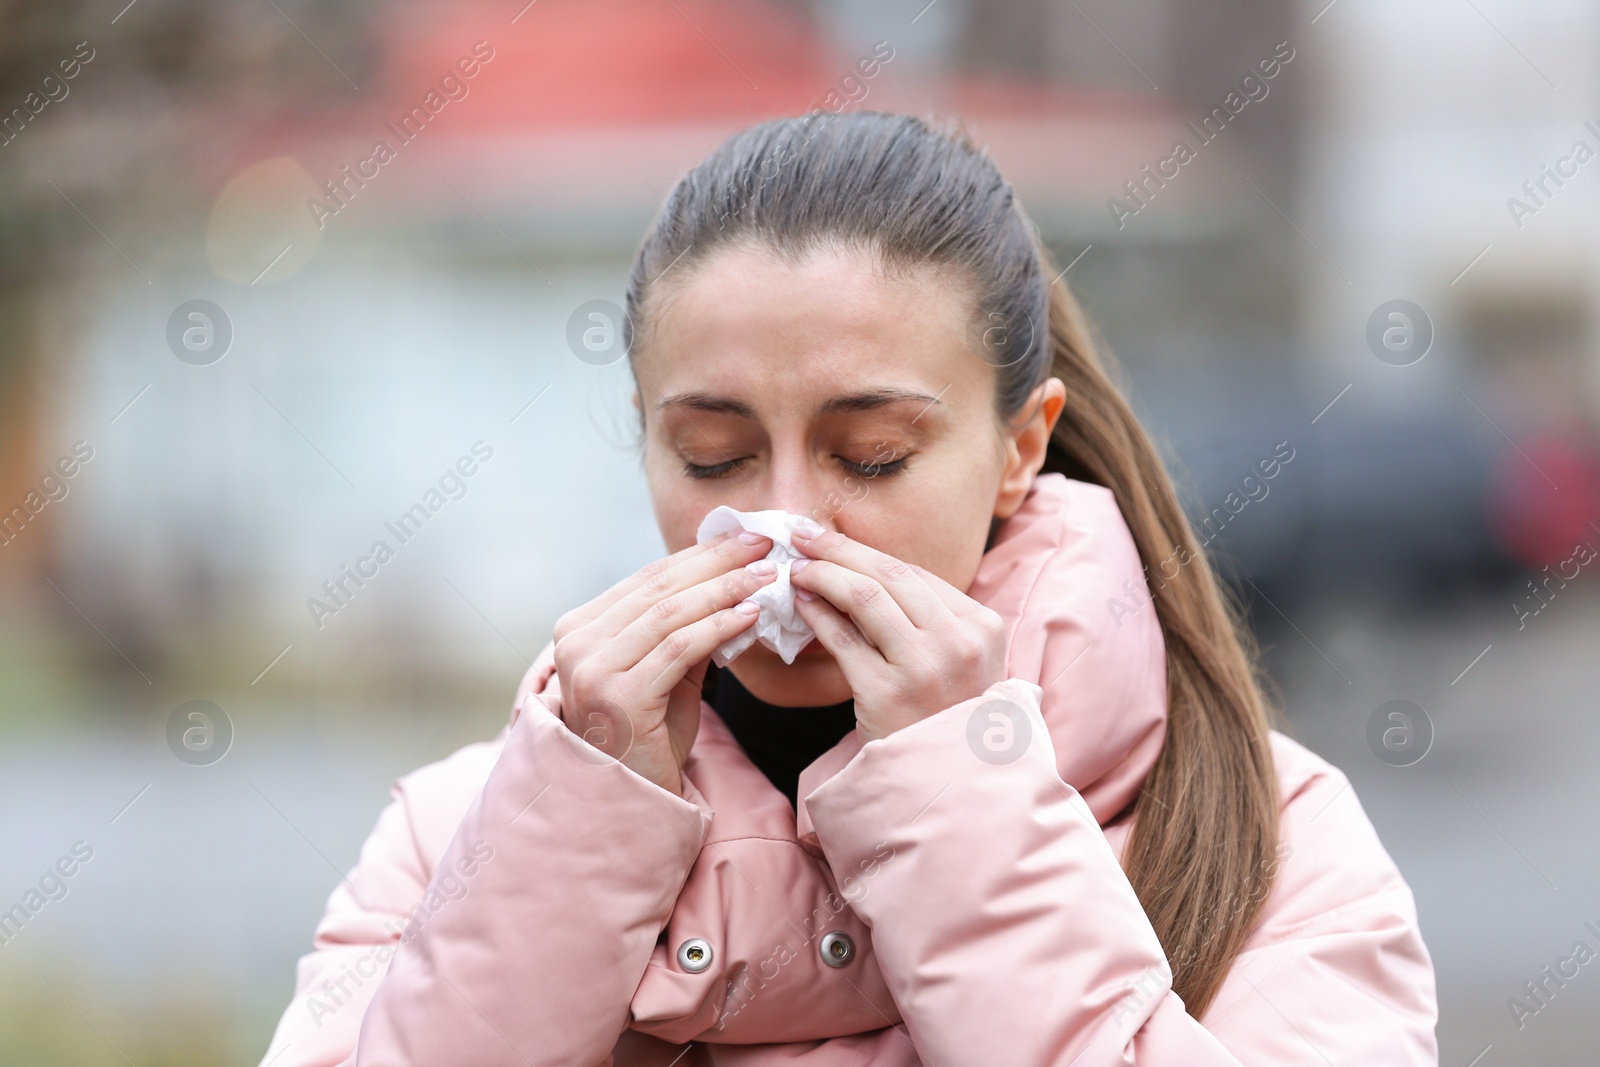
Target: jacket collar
(1065,575)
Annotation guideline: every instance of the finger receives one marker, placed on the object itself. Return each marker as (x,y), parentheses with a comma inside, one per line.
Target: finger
(660,620)
(917,602)
(959,603)
(587,613)
(868,604)
(671,659)
(661,579)
(843,639)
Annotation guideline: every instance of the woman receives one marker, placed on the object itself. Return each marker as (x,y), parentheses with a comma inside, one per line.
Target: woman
(1018,802)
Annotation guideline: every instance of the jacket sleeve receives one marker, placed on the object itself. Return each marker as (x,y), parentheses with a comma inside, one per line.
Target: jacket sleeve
(525,942)
(1008,932)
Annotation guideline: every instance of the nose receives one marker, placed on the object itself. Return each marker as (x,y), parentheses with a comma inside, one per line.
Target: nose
(819,507)
(797,485)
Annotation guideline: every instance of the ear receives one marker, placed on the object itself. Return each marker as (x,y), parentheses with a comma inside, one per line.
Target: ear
(1025,444)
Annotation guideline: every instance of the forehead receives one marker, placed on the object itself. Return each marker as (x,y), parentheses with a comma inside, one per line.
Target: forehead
(783,333)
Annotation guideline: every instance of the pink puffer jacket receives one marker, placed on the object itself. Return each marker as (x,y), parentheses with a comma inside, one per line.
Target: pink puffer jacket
(946,896)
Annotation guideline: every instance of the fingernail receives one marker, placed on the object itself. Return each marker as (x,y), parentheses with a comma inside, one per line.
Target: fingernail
(807,528)
(752,538)
(805,594)
(747,607)
(798,565)
(762,566)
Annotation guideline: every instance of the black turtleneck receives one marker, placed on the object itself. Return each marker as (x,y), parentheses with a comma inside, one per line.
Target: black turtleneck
(781,741)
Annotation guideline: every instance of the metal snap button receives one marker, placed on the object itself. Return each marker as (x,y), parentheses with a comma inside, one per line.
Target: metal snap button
(694,955)
(837,948)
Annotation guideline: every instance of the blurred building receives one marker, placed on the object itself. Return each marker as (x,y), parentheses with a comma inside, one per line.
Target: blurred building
(390,309)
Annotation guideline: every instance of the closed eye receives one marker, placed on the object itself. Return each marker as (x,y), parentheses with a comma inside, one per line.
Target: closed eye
(715,470)
(872,469)
(877,468)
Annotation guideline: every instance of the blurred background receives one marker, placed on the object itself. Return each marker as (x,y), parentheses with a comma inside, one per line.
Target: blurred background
(235,344)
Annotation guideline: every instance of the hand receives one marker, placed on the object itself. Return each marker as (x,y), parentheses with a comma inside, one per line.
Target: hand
(910,644)
(632,661)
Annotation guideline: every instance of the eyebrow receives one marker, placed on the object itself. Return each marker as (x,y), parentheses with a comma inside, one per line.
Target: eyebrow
(848,402)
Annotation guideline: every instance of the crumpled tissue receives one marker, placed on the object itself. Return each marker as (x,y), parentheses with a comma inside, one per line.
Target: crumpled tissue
(778,626)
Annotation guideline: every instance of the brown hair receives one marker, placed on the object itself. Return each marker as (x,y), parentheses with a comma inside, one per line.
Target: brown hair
(1201,855)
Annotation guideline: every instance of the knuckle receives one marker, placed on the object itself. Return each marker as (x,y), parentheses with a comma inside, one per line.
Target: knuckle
(847,636)
(564,626)
(657,585)
(830,539)
(674,646)
(894,569)
(581,679)
(666,610)
(990,622)
(865,594)
(997,636)
(655,568)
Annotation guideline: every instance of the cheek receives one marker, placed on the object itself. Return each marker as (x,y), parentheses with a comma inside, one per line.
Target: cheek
(677,515)
(679,502)
(949,517)
(954,546)
(942,533)
(669,502)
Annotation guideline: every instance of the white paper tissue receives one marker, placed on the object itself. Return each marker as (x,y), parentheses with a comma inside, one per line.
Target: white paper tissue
(778,626)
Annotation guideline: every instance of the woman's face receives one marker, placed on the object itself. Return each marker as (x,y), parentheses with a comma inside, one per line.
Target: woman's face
(826,389)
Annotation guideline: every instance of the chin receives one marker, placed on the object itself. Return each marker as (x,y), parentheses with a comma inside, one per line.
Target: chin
(812,680)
